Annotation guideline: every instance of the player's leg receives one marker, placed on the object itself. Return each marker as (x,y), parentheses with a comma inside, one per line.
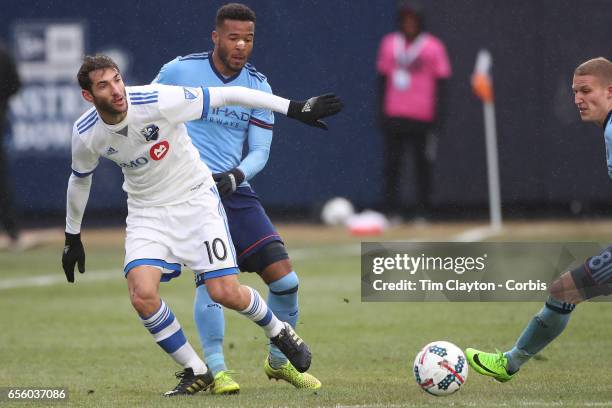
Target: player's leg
(215,265)
(261,250)
(247,301)
(283,286)
(585,282)
(209,319)
(274,266)
(546,325)
(158,319)
(151,236)
(543,328)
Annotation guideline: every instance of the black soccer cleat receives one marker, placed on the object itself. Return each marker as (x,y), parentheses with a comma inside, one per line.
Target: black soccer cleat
(190,383)
(293,347)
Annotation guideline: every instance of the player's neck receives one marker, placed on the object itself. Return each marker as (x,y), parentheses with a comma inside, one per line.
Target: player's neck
(112,118)
(221,67)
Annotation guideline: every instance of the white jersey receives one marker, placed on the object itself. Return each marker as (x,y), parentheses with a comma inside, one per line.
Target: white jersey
(151,145)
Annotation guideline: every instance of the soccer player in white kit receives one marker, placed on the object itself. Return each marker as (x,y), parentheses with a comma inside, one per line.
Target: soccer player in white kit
(175,215)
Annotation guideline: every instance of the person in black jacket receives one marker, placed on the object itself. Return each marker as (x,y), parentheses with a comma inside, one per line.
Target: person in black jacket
(9,85)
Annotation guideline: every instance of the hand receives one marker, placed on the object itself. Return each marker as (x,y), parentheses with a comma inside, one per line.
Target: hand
(228,182)
(73,253)
(311,111)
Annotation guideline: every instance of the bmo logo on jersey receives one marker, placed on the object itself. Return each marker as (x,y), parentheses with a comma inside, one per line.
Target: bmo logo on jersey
(159,150)
(141,161)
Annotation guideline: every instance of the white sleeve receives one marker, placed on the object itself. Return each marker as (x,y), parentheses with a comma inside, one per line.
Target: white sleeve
(180,104)
(248,98)
(183,104)
(77,196)
(84,161)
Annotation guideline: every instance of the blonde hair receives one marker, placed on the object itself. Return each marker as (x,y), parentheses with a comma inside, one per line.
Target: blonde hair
(599,67)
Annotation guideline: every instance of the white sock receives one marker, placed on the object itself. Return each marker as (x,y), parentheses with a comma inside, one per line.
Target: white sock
(259,312)
(167,332)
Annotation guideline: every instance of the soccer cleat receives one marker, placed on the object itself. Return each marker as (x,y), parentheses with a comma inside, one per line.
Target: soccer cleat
(190,383)
(288,373)
(293,347)
(491,364)
(224,384)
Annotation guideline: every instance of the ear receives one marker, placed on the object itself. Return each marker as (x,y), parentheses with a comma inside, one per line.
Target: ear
(87,95)
(215,37)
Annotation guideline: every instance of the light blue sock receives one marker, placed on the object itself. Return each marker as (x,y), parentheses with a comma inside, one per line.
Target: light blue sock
(543,328)
(209,320)
(283,301)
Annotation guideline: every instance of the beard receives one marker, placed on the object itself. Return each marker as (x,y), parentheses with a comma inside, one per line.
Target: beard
(225,59)
(107,106)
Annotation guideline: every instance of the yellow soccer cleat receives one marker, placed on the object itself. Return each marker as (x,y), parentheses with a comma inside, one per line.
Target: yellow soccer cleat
(224,384)
(288,373)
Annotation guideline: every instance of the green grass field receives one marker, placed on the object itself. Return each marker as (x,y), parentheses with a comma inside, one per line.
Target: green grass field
(87,338)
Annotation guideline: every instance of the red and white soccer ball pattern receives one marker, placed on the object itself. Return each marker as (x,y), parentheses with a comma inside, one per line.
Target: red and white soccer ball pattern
(440,368)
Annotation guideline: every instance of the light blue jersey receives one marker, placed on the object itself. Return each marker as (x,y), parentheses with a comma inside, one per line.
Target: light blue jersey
(608,137)
(220,137)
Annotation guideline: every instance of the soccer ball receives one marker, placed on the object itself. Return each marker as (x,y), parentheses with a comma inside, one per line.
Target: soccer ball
(440,368)
(337,211)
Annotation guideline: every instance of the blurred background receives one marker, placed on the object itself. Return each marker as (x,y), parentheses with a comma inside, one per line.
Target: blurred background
(550,163)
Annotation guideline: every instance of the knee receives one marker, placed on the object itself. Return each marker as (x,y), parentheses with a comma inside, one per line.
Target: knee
(145,300)
(556,289)
(286,285)
(223,292)
(564,289)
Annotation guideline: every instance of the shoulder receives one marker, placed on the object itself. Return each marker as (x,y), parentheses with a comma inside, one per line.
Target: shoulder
(174,70)
(181,63)
(253,73)
(85,122)
(198,56)
(144,94)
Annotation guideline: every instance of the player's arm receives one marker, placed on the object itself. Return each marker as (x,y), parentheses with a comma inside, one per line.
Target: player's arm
(310,111)
(77,194)
(259,139)
(183,104)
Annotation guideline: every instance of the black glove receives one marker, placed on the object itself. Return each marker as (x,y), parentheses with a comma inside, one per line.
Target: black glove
(311,111)
(228,182)
(73,253)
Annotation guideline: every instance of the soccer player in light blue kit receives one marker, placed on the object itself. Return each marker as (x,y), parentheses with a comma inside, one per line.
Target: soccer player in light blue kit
(592,87)
(220,140)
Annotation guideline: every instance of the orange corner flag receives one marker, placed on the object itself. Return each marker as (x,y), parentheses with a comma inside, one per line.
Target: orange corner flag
(482,87)
(482,83)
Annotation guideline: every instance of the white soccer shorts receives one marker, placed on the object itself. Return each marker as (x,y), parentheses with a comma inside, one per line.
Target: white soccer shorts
(193,234)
